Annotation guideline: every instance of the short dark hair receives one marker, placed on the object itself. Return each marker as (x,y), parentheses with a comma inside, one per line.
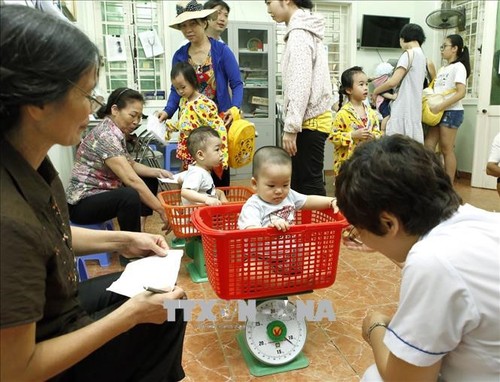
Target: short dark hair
(119,97)
(211,4)
(412,32)
(308,4)
(187,71)
(197,139)
(42,56)
(268,155)
(398,175)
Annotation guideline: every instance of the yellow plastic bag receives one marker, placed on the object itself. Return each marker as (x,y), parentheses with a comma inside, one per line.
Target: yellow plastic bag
(429,100)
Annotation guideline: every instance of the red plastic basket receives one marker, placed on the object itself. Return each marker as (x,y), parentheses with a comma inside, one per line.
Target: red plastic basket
(179,215)
(264,262)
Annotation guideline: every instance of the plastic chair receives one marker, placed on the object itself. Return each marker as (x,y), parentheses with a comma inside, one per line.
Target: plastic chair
(103,257)
(81,269)
(172,164)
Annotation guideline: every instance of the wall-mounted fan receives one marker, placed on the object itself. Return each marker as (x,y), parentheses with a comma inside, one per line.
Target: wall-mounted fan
(447,18)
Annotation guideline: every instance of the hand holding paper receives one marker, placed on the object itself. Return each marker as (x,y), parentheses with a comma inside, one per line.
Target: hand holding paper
(157,128)
(177,178)
(153,271)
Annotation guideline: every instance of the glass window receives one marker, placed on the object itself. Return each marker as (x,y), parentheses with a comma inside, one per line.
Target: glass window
(472,35)
(127,19)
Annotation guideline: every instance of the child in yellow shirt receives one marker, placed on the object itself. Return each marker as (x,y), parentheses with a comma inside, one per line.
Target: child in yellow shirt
(195,110)
(355,122)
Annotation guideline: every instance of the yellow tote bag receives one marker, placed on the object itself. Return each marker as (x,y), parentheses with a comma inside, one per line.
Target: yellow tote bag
(431,99)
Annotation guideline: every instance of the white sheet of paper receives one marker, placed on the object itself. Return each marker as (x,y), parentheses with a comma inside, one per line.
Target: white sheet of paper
(153,271)
(177,178)
(157,128)
(115,48)
(151,43)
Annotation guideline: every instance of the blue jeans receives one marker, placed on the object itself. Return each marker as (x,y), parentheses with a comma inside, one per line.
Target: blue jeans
(452,118)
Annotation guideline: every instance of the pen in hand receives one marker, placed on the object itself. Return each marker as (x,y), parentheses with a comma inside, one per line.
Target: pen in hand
(155,290)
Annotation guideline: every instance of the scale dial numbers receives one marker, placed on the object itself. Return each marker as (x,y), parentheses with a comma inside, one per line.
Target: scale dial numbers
(276,337)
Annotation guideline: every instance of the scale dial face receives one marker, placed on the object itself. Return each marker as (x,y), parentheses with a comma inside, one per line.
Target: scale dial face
(276,336)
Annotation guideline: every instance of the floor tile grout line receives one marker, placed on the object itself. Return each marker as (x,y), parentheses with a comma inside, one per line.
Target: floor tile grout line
(341,353)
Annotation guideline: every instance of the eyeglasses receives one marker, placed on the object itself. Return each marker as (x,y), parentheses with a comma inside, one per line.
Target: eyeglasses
(353,235)
(94,102)
(443,47)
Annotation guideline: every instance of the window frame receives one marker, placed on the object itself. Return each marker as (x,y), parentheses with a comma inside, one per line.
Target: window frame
(473,37)
(338,40)
(135,16)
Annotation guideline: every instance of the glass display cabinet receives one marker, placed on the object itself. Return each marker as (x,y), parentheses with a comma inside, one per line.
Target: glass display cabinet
(253,44)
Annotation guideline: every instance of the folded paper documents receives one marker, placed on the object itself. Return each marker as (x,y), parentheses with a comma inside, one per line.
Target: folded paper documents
(153,271)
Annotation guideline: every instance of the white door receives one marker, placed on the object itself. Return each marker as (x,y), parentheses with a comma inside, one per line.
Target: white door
(488,107)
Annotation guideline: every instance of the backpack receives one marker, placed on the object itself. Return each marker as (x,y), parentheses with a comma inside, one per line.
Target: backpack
(241,140)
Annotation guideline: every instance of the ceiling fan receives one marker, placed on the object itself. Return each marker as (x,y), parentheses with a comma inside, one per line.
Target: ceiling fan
(446,17)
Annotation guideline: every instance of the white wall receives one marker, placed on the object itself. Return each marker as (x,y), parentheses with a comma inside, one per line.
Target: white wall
(464,143)
(415,10)
(62,159)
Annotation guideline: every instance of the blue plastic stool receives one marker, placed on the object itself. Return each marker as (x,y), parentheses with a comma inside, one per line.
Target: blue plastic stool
(103,257)
(81,269)
(171,162)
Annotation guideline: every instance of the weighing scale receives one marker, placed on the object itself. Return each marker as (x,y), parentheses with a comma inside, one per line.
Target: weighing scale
(273,343)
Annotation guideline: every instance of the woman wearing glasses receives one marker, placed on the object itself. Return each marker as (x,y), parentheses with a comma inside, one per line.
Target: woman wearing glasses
(452,80)
(409,76)
(51,326)
(105,181)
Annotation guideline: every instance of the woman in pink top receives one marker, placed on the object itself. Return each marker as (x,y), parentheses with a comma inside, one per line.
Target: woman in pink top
(307,90)
(106,182)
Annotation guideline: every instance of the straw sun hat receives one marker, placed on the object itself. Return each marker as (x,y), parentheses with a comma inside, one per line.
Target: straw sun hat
(189,10)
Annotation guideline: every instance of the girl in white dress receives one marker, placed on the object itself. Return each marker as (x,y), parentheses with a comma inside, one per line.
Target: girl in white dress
(406,110)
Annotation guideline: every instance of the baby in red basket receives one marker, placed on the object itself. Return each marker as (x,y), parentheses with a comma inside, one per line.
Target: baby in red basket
(204,145)
(275,205)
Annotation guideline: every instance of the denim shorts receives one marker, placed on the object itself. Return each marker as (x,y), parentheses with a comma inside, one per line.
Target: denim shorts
(452,118)
(385,108)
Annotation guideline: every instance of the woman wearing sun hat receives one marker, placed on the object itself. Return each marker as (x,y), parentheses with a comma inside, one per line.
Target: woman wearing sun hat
(216,67)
